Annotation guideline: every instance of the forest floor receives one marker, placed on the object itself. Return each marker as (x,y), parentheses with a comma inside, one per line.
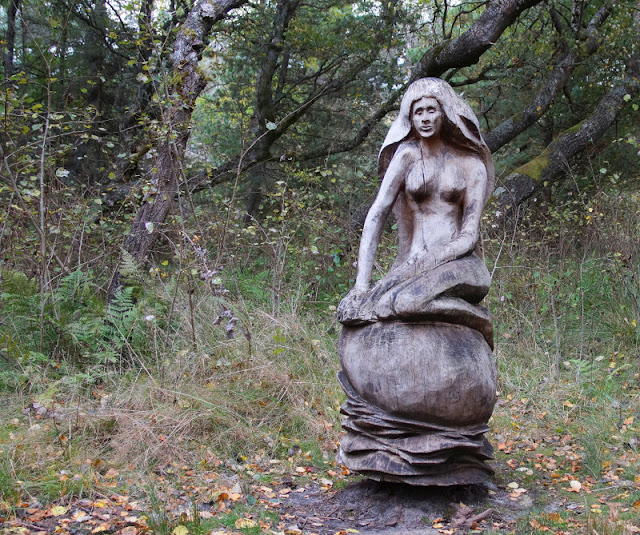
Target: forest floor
(540,486)
(299,502)
(304,501)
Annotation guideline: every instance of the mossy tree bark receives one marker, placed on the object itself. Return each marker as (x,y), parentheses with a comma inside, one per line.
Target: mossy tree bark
(553,162)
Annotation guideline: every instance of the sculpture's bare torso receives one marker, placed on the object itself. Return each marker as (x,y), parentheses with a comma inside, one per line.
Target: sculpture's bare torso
(437,193)
(434,194)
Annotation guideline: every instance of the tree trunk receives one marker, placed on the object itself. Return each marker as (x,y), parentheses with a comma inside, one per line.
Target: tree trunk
(10,37)
(187,82)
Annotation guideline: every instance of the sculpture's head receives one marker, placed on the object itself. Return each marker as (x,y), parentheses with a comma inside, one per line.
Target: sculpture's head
(460,126)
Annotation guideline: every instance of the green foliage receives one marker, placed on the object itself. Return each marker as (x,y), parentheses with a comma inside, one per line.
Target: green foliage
(79,331)
(159,522)
(9,491)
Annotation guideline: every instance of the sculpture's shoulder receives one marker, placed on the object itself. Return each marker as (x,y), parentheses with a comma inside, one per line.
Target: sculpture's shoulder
(407,151)
(405,156)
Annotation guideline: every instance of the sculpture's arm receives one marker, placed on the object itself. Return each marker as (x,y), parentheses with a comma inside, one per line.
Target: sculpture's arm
(472,206)
(378,213)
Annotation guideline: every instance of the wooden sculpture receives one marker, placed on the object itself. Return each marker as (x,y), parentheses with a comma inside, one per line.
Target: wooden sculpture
(416,347)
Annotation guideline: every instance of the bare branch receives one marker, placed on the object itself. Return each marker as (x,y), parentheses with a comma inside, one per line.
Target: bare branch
(467,49)
(518,123)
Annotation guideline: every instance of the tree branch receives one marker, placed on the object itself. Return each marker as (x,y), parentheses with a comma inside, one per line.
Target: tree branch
(467,49)
(518,123)
(553,163)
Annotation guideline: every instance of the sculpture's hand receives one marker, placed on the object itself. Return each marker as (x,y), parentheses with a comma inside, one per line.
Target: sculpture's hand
(350,310)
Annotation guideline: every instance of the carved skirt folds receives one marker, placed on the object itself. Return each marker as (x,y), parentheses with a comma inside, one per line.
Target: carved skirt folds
(449,293)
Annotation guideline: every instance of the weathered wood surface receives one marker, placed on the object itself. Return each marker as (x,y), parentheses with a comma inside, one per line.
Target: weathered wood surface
(416,347)
(434,372)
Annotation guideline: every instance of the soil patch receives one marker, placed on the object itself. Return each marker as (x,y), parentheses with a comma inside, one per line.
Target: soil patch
(392,508)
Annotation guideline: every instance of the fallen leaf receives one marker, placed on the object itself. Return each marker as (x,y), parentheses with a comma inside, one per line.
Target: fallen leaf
(38,515)
(243,523)
(555,517)
(575,486)
(58,510)
(105,526)
(80,516)
(180,530)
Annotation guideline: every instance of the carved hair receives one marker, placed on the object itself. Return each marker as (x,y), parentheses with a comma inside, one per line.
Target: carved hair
(462,130)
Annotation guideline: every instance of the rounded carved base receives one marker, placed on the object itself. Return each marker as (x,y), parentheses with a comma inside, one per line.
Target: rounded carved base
(435,372)
(419,398)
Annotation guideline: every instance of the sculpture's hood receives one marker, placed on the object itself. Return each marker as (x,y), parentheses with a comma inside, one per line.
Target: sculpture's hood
(467,129)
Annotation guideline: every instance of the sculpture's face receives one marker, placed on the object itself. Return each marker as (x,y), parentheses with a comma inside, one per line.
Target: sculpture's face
(426,117)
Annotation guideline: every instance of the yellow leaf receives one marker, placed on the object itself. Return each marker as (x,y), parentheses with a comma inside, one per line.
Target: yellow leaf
(58,510)
(568,404)
(242,523)
(180,530)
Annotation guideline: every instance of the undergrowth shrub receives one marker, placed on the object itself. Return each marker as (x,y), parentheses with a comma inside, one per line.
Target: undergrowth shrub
(70,331)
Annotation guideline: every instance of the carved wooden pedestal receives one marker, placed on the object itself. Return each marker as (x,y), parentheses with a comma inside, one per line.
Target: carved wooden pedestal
(419,397)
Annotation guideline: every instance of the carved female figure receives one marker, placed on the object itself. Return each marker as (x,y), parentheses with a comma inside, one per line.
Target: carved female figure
(437,175)
(415,347)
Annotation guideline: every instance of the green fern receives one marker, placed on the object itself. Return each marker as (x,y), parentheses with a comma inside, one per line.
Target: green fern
(17,283)
(129,268)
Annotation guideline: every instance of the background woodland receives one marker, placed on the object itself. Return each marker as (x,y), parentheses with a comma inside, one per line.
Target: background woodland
(182,190)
